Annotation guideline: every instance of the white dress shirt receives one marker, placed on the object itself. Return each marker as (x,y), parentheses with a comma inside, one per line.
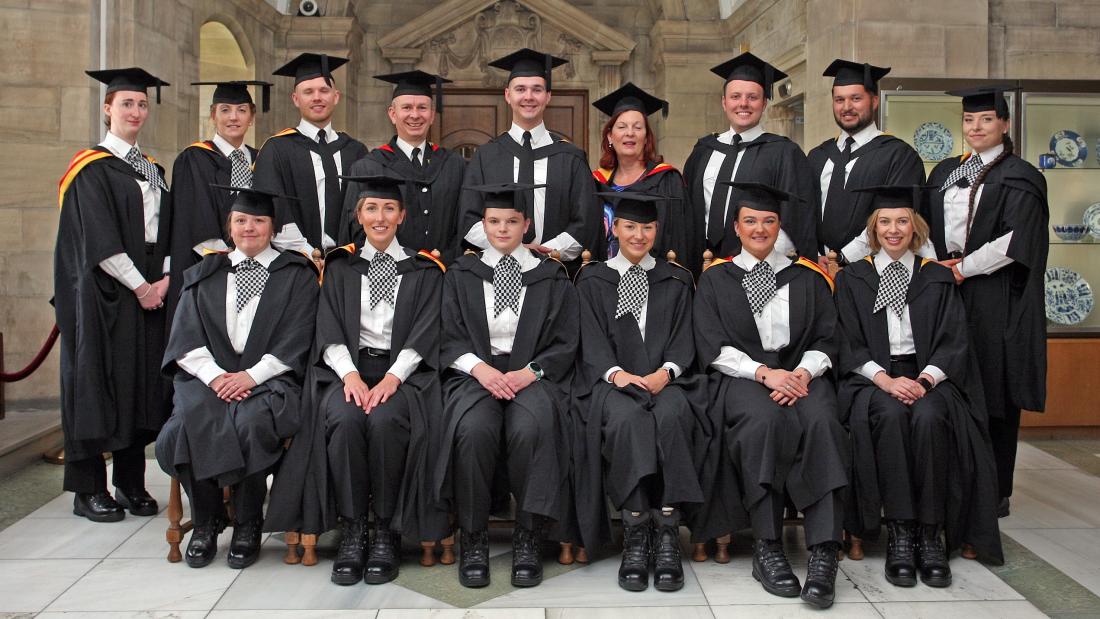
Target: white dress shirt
(621,264)
(901,329)
(225,148)
(375,325)
(407,148)
(200,362)
(120,266)
(857,248)
(988,258)
(773,325)
(502,329)
(564,243)
(290,237)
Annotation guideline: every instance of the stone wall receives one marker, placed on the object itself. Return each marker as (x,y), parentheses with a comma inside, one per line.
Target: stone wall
(1044,39)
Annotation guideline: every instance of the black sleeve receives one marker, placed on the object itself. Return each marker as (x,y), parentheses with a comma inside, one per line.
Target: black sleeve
(469,201)
(561,334)
(597,354)
(799,218)
(854,350)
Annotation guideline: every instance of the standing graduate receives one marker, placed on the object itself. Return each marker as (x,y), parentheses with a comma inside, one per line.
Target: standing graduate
(644,412)
(240,341)
(111,265)
(765,329)
(868,157)
(745,153)
(989,224)
(305,162)
(430,199)
(563,212)
(913,400)
(629,162)
(510,331)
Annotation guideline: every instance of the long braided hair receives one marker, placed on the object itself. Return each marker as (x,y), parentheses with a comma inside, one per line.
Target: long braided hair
(981,179)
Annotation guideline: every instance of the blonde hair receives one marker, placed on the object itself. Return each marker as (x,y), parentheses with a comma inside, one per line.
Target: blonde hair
(920,230)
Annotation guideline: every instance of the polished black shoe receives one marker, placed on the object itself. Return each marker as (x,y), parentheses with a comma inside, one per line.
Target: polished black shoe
(347,569)
(820,587)
(473,559)
(526,564)
(901,561)
(932,557)
(668,568)
(384,556)
(203,545)
(244,548)
(137,501)
(1003,510)
(97,507)
(771,568)
(634,569)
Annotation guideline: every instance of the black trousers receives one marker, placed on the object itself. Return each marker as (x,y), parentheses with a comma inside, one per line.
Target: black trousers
(821,521)
(206,497)
(1005,434)
(90,474)
(366,453)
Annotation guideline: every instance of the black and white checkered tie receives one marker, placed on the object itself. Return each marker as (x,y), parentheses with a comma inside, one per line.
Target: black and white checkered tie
(144,168)
(633,292)
(759,285)
(382,275)
(251,279)
(968,170)
(892,288)
(507,283)
(241,174)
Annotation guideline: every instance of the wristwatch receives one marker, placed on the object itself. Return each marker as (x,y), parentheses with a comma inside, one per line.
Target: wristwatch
(536,369)
(671,374)
(924,383)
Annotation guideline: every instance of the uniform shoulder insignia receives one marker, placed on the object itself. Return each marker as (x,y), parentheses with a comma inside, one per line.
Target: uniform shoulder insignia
(602,175)
(718,261)
(427,255)
(78,163)
(203,145)
(813,266)
(661,167)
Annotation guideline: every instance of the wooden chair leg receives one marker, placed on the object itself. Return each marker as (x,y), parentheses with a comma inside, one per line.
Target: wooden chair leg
(855,547)
(699,553)
(722,548)
(968,552)
(427,554)
(174,534)
(447,557)
(309,549)
(582,555)
(292,539)
(565,556)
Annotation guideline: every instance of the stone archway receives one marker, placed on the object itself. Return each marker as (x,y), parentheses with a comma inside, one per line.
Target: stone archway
(223,56)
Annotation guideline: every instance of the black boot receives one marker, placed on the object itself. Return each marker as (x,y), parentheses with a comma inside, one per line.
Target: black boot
(901,565)
(771,568)
(203,545)
(384,556)
(137,500)
(473,560)
(244,548)
(526,564)
(820,587)
(97,507)
(348,567)
(932,557)
(668,569)
(634,569)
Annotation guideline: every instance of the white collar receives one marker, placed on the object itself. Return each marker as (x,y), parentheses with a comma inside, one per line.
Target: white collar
(526,259)
(118,146)
(408,148)
(861,137)
(883,260)
(540,136)
(747,135)
(988,156)
(747,261)
(621,264)
(394,250)
(310,130)
(227,149)
(266,257)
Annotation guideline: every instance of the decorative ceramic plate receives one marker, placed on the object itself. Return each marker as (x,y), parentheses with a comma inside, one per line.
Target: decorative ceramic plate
(933,141)
(1092,220)
(1070,148)
(1068,296)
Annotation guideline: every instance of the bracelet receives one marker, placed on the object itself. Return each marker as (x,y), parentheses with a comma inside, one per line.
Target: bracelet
(611,379)
(150,289)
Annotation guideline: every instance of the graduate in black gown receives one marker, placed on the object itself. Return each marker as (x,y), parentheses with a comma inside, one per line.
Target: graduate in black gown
(563,211)
(305,162)
(111,267)
(869,157)
(643,410)
(240,341)
(745,153)
(198,221)
(629,162)
(913,399)
(989,224)
(430,199)
(765,329)
(510,331)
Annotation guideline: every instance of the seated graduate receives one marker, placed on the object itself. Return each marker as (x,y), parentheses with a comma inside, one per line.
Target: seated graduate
(765,330)
(641,409)
(918,423)
(237,379)
(509,345)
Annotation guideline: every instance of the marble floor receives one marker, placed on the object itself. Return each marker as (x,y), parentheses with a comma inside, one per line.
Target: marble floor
(53,564)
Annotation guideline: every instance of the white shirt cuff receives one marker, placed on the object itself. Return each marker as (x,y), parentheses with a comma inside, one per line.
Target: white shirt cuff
(466,363)
(210,245)
(677,370)
(869,370)
(937,374)
(405,364)
(733,362)
(784,244)
(857,248)
(200,364)
(290,239)
(607,374)
(988,258)
(337,357)
(815,362)
(566,245)
(476,235)
(266,368)
(121,267)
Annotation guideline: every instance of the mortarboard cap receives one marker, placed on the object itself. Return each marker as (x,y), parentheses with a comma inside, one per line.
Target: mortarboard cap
(632,205)
(985,98)
(630,97)
(503,195)
(760,197)
(308,66)
(253,201)
(749,68)
(848,73)
(236,92)
(381,187)
(897,196)
(133,79)
(416,83)
(529,63)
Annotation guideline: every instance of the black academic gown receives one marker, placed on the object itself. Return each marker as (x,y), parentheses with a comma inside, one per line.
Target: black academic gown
(305,499)
(205,433)
(547,335)
(606,343)
(770,159)
(885,160)
(659,179)
(284,165)
(936,314)
(112,393)
(431,217)
(570,201)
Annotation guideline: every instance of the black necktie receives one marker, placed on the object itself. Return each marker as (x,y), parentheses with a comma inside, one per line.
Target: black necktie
(759,286)
(321,137)
(892,288)
(716,224)
(251,279)
(834,223)
(333,202)
(507,283)
(417,163)
(527,175)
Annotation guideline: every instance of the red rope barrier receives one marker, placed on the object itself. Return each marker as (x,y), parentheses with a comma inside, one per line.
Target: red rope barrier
(11,377)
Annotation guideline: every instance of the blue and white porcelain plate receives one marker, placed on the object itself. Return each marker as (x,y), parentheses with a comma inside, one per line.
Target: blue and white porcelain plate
(1068,296)
(1069,148)
(933,141)
(1092,220)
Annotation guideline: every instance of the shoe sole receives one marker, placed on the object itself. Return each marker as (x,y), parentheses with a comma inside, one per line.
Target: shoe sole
(473,583)
(371,579)
(783,593)
(115,517)
(240,565)
(816,601)
(197,564)
(668,588)
(525,583)
(345,580)
(632,585)
(901,582)
(938,583)
(125,503)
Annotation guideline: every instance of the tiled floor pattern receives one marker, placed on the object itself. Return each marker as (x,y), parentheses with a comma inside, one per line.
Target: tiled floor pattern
(57,565)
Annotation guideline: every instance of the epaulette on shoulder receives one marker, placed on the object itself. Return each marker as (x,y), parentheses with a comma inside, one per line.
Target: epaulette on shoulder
(78,163)
(427,255)
(284,132)
(815,267)
(661,167)
(718,261)
(602,175)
